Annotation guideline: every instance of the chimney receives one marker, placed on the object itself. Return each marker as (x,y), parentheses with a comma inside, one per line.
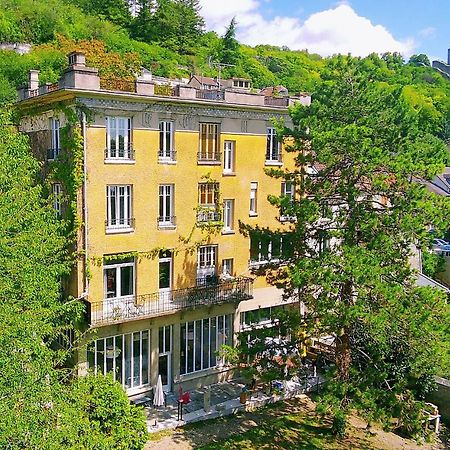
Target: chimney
(77,59)
(78,76)
(33,79)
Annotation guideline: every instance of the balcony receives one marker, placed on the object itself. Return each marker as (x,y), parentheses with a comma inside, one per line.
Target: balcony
(167,156)
(209,158)
(123,154)
(166,222)
(207,215)
(118,310)
(120,225)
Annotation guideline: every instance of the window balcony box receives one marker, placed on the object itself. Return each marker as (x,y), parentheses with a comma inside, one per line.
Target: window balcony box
(167,157)
(208,216)
(123,309)
(209,159)
(120,225)
(167,222)
(124,155)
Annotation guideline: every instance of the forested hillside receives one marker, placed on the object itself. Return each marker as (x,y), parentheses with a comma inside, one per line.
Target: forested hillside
(169,37)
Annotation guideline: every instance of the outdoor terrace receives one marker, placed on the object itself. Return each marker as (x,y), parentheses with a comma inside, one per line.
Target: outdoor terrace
(79,77)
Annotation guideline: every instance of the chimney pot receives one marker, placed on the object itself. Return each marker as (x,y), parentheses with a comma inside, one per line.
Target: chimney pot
(33,79)
(77,59)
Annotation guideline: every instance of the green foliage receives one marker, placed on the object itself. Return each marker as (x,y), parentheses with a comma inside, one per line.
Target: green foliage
(368,142)
(102,416)
(42,406)
(432,263)
(174,24)
(419,60)
(230,46)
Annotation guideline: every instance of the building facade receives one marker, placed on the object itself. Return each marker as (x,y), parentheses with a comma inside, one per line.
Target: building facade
(170,177)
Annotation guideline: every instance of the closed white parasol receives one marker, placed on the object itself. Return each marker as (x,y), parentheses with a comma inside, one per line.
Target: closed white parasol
(158,398)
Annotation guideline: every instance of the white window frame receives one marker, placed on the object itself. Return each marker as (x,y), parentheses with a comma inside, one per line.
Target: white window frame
(57,198)
(100,357)
(228,216)
(287,190)
(220,338)
(117,267)
(117,127)
(55,143)
(228,157)
(253,209)
(117,191)
(166,141)
(206,262)
(273,147)
(167,219)
(227,267)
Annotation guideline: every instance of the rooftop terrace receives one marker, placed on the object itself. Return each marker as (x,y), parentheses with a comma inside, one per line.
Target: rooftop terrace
(236,91)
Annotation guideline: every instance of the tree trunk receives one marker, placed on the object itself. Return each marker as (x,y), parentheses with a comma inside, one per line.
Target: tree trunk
(343,355)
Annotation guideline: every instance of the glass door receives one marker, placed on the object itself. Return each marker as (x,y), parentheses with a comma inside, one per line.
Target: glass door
(165,356)
(165,275)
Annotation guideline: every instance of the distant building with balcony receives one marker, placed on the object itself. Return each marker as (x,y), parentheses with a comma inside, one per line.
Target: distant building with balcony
(170,170)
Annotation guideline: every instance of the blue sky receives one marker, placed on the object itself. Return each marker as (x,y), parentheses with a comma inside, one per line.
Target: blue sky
(327,26)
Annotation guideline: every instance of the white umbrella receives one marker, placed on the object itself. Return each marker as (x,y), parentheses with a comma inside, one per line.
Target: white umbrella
(158,397)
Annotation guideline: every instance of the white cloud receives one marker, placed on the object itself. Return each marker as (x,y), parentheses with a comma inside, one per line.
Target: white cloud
(336,30)
(428,32)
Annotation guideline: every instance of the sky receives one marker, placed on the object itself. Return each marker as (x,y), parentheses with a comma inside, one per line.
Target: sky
(359,27)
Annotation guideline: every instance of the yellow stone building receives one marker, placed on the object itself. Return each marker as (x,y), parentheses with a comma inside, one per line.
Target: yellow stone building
(170,171)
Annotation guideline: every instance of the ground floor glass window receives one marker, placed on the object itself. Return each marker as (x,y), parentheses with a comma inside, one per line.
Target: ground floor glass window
(126,356)
(200,340)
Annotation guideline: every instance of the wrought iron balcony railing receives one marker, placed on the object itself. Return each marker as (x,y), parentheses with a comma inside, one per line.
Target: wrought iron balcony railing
(166,221)
(120,224)
(117,310)
(121,153)
(212,157)
(167,155)
(208,215)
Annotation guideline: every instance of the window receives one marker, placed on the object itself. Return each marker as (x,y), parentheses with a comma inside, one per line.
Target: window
(208,195)
(253,199)
(228,157)
(323,241)
(118,138)
(119,279)
(166,205)
(273,153)
(260,316)
(166,133)
(206,264)
(269,247)
(201,339)
(125,356)
(54,149)
(288,191)
(57,197)
(228,216)
(165,270)
(227,267)
(119,208)
(209,143)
